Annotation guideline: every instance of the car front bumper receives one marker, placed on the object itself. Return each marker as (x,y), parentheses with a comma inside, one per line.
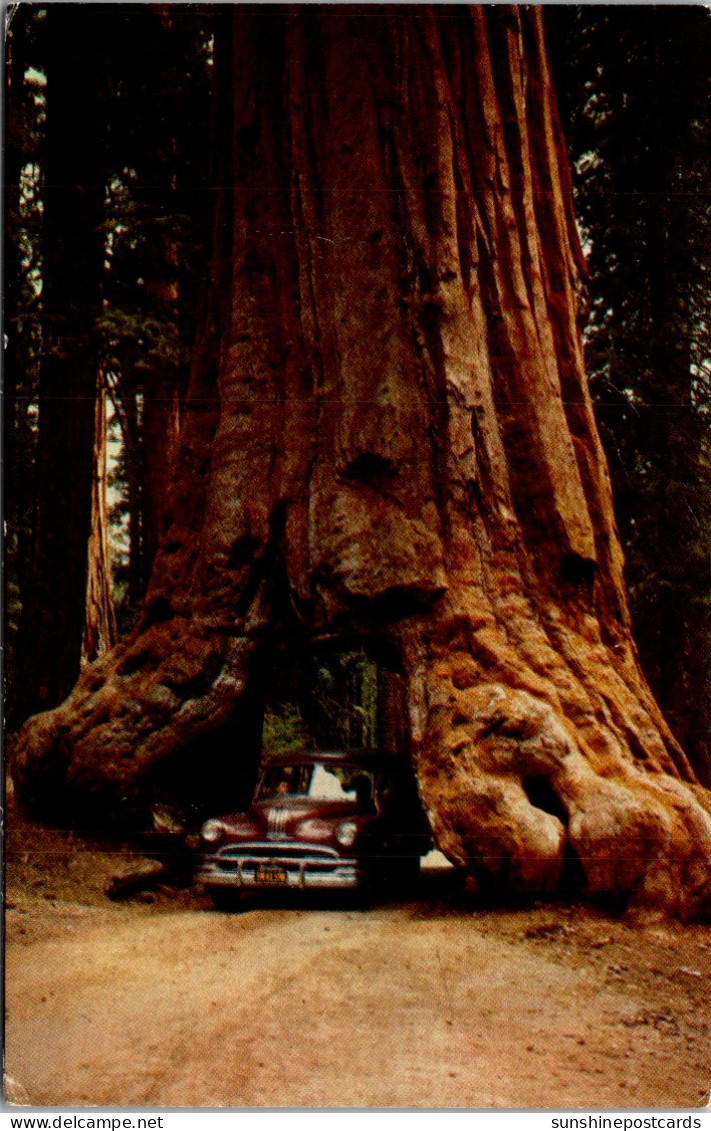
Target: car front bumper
(266,864)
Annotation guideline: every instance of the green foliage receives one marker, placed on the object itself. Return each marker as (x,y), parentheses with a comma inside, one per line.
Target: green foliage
(285,731)
(345,699)
(322,702)
(139,339)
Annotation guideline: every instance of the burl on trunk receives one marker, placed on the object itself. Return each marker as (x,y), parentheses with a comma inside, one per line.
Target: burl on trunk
(389,436)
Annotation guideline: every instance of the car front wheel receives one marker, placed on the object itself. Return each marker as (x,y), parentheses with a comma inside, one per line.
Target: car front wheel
(226,899)
(404,873)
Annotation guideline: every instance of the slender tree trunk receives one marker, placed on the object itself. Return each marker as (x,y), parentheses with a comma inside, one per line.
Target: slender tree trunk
(53,614)
(391,716)
(161,404)
(134,462)
(400,447)
(100,619)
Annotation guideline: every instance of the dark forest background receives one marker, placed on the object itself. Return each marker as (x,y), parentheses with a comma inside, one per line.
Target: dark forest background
(109,184)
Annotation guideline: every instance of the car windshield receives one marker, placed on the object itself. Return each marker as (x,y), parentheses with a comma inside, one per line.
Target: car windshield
(319,782)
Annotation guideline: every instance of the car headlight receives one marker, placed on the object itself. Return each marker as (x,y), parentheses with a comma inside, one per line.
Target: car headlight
(346,833)
(211,831)
(315,829)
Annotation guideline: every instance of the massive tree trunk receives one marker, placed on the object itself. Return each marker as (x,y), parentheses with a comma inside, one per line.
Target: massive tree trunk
(389,437)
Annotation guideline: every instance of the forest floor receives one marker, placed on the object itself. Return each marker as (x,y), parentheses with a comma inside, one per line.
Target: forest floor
(422,1002)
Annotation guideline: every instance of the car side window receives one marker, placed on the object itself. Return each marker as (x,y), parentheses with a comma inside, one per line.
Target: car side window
(363,791)
(325,785)
(386,797)
(397,798)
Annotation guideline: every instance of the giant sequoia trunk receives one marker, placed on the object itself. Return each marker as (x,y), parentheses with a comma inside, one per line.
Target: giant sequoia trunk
(389,437)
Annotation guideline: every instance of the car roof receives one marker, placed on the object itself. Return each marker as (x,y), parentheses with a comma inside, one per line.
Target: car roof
(358,755)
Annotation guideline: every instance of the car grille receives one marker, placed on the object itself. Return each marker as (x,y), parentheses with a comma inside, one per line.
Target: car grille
(271,851)
(276,822)
(302,865)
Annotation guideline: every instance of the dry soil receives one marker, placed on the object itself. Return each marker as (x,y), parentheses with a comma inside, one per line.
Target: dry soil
(426,1001)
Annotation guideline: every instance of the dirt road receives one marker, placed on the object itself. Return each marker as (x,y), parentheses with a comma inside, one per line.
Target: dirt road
(424,1003)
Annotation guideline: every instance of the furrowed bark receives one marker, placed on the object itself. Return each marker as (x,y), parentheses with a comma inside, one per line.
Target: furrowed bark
(400,447)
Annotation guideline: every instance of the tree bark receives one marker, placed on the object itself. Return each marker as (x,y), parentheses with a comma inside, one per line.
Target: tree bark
(389,437)
(161,406)
(100,632)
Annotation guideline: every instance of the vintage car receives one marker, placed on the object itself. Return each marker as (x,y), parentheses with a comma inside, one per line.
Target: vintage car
(319,821)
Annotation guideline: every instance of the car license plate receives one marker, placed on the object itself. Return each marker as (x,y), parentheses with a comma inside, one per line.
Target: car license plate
(268,875)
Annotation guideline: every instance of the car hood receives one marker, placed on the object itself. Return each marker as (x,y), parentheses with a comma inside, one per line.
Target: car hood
(303,807)
(282,817)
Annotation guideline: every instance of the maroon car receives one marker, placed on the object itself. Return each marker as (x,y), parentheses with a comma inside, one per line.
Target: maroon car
(319,820)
